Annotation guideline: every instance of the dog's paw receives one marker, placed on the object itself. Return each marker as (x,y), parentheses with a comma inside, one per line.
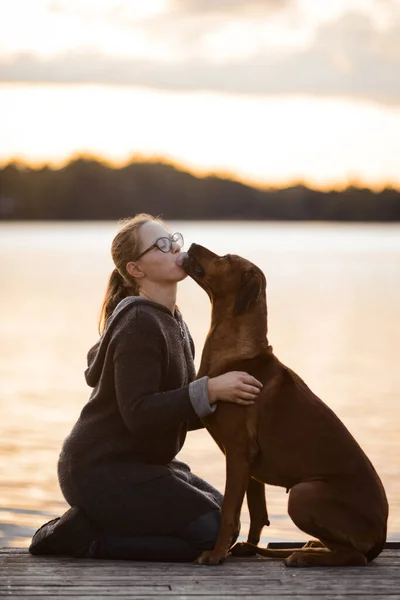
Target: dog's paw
(209,557)
(243,549)
(297,559)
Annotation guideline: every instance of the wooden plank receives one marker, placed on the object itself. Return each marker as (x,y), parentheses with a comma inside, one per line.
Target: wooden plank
(25,576)
(129,596)
(388,545)
(393,545)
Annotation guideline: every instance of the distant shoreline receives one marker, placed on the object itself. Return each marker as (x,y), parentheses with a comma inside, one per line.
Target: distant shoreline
(89,189)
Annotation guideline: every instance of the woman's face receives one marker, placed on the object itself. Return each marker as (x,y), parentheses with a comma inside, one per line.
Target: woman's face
(159,267)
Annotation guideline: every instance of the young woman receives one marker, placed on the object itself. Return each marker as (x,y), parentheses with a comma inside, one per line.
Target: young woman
(131,498)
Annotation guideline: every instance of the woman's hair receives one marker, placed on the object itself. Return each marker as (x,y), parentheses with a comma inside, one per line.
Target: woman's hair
(124,248)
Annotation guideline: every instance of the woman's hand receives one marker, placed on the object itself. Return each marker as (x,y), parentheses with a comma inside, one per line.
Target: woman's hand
(236,386)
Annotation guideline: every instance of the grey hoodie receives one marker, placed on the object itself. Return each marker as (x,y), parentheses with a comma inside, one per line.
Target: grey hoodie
(144,395)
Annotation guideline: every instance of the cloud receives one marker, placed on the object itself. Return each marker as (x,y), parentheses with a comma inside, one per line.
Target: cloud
(185,27)
(348,57)
(231,7)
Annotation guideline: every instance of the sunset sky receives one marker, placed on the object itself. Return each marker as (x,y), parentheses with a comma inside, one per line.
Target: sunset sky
(270,91)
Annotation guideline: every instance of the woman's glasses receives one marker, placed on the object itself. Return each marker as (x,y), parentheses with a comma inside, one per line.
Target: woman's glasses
(165,244)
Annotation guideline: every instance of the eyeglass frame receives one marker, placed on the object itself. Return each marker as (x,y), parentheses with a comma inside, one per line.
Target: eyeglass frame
(170,240)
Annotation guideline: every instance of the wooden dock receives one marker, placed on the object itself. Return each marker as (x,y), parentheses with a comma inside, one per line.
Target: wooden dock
(23,576)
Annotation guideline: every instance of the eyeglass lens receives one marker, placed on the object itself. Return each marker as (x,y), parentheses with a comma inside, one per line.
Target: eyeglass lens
(165,244)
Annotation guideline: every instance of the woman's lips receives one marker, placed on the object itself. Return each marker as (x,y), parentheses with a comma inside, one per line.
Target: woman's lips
(181,258)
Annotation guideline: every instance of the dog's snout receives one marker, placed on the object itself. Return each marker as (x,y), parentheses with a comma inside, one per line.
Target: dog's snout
(193,247)
(197,251)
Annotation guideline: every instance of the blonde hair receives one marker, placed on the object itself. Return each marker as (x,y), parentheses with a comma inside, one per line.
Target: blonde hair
(125,246)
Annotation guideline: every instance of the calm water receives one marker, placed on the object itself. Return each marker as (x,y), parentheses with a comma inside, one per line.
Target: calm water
(334,308)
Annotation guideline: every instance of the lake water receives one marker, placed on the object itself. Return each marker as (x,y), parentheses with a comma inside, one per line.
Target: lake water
(334,317)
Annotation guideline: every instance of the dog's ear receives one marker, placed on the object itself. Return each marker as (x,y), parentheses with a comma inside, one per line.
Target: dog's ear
(249,292)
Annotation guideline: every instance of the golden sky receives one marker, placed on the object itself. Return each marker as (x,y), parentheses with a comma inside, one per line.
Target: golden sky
(272,91)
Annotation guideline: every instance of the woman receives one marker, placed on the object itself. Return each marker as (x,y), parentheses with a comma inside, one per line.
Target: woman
(136,501)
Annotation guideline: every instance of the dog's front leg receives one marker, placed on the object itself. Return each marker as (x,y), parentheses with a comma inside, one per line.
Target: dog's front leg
(258,518)
(237,480)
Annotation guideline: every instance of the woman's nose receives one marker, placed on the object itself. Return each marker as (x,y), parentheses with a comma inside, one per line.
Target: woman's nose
(175,247)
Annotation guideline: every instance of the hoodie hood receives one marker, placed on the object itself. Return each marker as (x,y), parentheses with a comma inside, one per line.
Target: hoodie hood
(96,355)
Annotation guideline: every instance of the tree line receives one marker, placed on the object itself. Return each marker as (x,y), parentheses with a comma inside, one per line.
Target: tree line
(90,189)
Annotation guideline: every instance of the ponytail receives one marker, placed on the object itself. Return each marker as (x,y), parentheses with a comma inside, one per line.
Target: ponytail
(118,288)
(125,246)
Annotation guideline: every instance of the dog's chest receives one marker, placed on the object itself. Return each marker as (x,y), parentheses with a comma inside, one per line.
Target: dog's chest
(229,428)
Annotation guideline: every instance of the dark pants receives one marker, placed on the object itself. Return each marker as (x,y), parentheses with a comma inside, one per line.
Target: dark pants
(185,546)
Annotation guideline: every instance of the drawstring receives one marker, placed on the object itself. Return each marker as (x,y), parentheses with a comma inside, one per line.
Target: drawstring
(186,348)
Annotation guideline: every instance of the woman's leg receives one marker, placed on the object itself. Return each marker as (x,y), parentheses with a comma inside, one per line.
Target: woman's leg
(170,518)
(184,546)
(183,543)
(117,504)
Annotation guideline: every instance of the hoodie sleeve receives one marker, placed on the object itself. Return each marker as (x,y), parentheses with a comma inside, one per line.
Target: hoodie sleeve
(140,357)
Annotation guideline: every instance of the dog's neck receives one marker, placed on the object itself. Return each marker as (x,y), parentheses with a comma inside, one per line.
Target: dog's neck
(234,338)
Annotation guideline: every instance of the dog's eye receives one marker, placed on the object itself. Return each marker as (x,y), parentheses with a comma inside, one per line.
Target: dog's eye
(225,257)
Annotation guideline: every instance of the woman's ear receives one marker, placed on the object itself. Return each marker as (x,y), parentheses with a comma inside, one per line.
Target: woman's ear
(134,270)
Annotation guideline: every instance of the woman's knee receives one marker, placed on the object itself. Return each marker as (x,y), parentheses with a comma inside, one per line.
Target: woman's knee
(203,531)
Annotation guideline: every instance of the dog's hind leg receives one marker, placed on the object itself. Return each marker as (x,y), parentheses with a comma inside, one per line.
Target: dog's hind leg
(332,515)
(321,510)
(257,504)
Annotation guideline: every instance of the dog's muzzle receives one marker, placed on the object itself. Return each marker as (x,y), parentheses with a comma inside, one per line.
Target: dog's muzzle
(190,265)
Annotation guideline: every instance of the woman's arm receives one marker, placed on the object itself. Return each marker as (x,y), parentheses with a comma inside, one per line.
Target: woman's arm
(137,378)
(140,360)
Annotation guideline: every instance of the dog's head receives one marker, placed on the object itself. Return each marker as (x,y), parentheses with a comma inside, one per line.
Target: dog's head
(229,279)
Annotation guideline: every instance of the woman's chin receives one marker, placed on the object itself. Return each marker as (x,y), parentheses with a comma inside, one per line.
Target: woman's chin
(183,275)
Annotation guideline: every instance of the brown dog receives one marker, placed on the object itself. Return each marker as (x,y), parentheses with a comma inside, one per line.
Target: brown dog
(288,437)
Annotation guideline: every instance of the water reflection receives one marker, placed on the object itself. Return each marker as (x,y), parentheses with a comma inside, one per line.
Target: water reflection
(333,298)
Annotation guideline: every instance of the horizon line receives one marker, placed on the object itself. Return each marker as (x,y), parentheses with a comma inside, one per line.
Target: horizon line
(57,164)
